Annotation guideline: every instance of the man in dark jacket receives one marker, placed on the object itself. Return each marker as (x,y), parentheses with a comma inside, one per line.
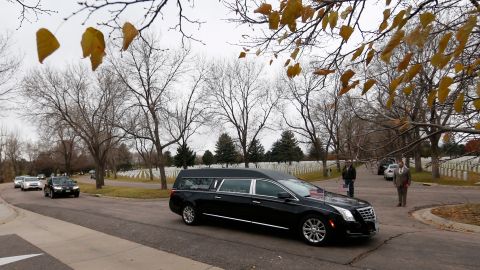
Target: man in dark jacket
(349,175)
(402,180)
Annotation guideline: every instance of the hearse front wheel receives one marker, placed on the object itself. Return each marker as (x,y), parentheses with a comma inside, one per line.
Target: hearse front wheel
(314,230)
(189,215)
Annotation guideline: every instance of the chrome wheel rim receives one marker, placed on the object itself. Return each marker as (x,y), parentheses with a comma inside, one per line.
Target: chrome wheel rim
(188,214)
(314,230)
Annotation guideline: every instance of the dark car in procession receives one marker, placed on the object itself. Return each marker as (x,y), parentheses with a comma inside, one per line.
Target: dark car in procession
(61,186)
(272,199)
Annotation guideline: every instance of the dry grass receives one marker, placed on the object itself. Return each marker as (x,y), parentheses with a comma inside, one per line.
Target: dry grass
(426,177)
(467,213)
(125,192)
(317,176)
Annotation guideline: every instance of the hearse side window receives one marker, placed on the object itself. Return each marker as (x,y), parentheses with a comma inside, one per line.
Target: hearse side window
(195,183)
(239,186)
(267,188)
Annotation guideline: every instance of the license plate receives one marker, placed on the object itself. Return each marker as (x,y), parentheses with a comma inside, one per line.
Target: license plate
(67,190)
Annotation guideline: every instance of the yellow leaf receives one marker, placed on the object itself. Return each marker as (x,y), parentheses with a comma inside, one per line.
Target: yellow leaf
(323,72)
(431,98)
(332,19)
(287,62)
(405,61)
(258,52)
(358,52)
(274,20)
(443,88)
(346,76)
(394,41)
(345,13)
(298,42)
(271,61)
(476,103)
(409,89)
(129,33)
(347,88)
(264,9)
(439,60)
(367,85)
(478,89)
(386,14)
(463,33)
(458,67)
(387,2)
(242,55)
(307,13)
(398,19)
(294,70)
(412,72)
(325,21)
(442,45)
(394,83)
(426,18)
(47,43)
(345,32)
(96,58)
(477,126)
(92,39)
(292,10)
(383,26)
(370,55)
(284,36)
(292,26)
(294,54)
(283,3)
(320,13)
(390,100)
(458,104)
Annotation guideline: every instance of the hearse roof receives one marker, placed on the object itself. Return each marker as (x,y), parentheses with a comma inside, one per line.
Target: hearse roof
(232,173)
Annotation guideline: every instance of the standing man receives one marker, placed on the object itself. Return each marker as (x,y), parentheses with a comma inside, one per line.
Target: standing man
(402,180)
(349,175)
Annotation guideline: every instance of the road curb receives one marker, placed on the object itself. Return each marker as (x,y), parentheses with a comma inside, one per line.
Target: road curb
(123,198)
(7,213)
(425,215)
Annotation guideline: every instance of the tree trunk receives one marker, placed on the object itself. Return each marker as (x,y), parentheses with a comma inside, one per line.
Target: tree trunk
(150,171)
(161,166)
(418,159)
(435,157)
(99,174)
(324,165)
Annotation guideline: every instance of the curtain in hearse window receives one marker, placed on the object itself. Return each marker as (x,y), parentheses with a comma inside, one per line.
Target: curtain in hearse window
(239,186)
(195,183)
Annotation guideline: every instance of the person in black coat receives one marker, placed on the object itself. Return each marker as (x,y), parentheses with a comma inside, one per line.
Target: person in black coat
(349,174)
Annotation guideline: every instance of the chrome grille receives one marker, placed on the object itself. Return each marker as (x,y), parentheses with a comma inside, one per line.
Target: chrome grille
(367,213)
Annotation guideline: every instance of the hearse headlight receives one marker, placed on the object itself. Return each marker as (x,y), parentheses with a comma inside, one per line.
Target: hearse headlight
(75,187)
(57,188)
(346,214)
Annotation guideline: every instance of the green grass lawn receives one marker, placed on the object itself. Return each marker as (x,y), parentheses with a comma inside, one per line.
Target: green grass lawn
(317,176)
(170,180)
(125,192)
(426,177)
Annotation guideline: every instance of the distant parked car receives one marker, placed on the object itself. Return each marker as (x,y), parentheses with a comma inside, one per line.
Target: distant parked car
(272,199)
(30,182)
(92,174)
(388,173)
(41,176)
(383,165)
(17,182)
(61,186)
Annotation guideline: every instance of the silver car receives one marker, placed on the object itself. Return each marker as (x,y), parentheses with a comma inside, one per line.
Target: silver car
(17,182)
(30,182)
(388,174)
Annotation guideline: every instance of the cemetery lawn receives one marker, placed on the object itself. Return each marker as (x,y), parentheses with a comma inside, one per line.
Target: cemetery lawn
(170,180)
(125,192)
(466,213)
(426,177)
(318,176)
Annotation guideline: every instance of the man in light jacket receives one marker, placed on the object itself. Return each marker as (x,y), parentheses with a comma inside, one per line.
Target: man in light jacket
(402,180)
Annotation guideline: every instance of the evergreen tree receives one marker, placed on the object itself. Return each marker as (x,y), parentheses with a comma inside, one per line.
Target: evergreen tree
(168,158)
(315,154)
(208,158)
(184,157)
(286,149)
(225,152)
(256,152)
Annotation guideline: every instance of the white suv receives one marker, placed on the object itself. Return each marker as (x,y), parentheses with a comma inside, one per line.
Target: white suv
(30,182)
(389,171)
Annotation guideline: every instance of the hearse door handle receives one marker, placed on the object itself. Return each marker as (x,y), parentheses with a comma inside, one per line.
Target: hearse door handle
(217,197)
(256,202)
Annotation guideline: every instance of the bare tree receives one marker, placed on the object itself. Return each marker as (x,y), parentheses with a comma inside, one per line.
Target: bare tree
(164,102)
(9,65)
(91,105)
(239,96)
(13,151)
(30,10)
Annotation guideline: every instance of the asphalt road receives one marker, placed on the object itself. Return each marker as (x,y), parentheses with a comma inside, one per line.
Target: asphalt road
(402,243)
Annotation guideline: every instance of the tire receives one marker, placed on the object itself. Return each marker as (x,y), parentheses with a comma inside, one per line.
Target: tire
(315,231)
(52,195)
(189,215)
(45,194)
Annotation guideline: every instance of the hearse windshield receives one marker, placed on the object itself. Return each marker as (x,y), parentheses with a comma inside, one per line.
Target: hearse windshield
(302,188)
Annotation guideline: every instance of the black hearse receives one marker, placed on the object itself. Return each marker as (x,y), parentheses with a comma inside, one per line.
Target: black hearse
(272,199)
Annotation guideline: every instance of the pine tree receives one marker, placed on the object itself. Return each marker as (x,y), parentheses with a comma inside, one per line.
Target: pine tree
(225,150)
(184,157)
(286,149)
(256,152)
(208,158)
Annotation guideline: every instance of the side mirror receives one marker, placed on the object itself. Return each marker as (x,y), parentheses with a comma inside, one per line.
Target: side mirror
(284,195)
